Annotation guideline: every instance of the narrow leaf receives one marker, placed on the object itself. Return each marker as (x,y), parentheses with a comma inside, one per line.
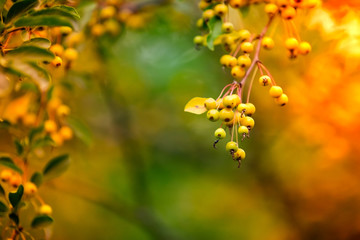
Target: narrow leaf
(35,131)
(19,8)
(19,147)
(63,11)
(215,30)
(2,191)
(30,53)
(80,130)
(3,208)
(40,21)
(196,105)
(41,221)
(42,142)
(37,178)
(56,165)
(15,218)
(8,162)
(38,42)
(15,197)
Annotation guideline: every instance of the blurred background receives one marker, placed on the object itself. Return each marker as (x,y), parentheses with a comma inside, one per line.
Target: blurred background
(150,171)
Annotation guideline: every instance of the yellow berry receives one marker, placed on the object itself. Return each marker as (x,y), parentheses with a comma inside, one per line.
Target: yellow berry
(267,43)
(264,80)
(242,108)
(275,91)
(57,62)
(236,3)
(243,130)
(66,133)
(244,61)
(271,9)
(247,47)
(220,10)
(45,209)
(30,188)
(203,4)
(304,48)
(229,101)
(237,99)
(238,72)
(29,119)
(282,100)
(208,14)
(239,154)
(250,110)
(228,61)
(63,111)
(291,43)
(288,13)
(199,40)
(112,26)
(65,30)
(5,175)
(107,12)
(220,133)
(227,27)
(53,104)
(226,115)
(15,180)
(231,146)
(71,54)
(219,103)
(57,49)
(50,126)
(210,103)
(57,138)
(97,30)
(244,34)
(248,122)
(213,115)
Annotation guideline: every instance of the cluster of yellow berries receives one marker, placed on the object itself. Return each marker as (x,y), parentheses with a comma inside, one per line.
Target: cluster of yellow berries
(69,55)
(242,58)
(235,116)
(13,181)
(54,126)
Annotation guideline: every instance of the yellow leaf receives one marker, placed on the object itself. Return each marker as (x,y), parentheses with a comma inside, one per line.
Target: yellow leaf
(195,105)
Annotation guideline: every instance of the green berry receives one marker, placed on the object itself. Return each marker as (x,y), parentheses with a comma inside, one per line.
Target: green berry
(213,115)
(220,133)
(231,146)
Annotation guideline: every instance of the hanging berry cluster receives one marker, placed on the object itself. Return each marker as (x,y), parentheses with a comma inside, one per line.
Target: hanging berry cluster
(232,106)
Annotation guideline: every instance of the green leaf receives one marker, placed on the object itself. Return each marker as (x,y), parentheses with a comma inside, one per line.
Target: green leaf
(38,42)
(8,162)
(32,70)
(3,208)
(41,221)
(19,147)
(37,178)
(2,191)
(35,131)
(214,25)
(57,165)
(15,197)
(2,4)
(245,10)
(40,21)
(63,11)
(20,7)
(80,130)
(15,218)
(42,142)
(30,53)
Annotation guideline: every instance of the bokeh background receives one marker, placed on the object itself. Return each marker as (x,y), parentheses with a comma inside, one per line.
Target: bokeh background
(150,171)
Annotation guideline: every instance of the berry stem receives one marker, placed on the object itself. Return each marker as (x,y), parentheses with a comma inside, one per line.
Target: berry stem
(267,72)
(251,83)
(295,31)
(257,51)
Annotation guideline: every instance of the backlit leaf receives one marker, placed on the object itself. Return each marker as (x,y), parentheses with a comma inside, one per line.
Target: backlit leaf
(196,105)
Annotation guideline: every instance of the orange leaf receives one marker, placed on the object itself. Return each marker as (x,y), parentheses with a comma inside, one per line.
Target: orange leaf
(196,106)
